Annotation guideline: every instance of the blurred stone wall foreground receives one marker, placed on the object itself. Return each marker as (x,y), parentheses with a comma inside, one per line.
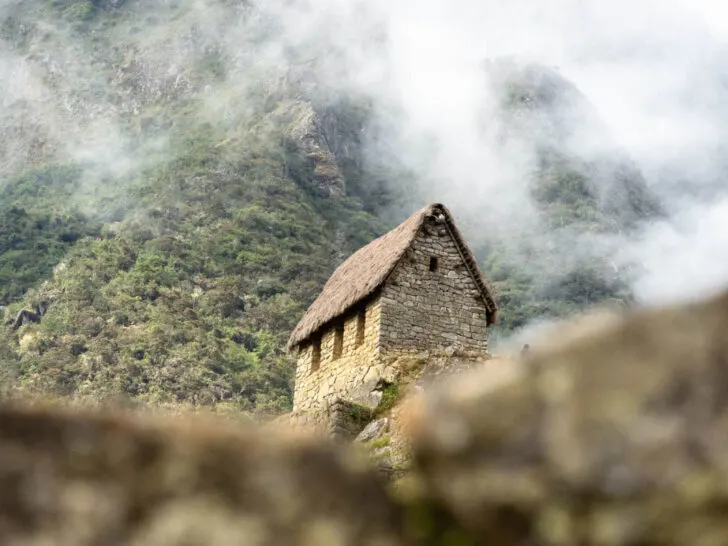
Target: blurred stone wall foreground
(615,435)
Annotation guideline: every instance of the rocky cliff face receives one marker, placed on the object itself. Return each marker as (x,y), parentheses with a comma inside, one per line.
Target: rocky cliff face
(542,109)
(584,194)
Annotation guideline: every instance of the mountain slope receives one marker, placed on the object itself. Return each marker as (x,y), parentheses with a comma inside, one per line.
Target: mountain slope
(175,192)
(195,236)
(588,197)
(190,297)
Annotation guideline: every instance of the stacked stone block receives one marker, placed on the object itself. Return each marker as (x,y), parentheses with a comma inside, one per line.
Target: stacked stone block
(432,311)
(317,390)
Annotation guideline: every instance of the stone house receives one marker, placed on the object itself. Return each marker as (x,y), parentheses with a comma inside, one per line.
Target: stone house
(415,290)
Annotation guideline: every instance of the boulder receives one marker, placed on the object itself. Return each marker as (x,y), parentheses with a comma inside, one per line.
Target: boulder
(373,430)
(82,479)
(617,436)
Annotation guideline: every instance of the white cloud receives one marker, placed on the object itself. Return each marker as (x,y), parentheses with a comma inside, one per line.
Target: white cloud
(686,257)
(655,71)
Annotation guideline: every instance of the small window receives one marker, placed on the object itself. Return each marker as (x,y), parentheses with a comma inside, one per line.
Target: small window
(433,263)
(360,326)
(338,341)
(315,354)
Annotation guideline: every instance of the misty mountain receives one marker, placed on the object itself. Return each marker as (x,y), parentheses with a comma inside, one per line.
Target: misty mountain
(177,183)
(575,153)
(583,195)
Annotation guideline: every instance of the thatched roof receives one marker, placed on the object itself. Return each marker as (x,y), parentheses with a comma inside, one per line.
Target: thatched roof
(368,268)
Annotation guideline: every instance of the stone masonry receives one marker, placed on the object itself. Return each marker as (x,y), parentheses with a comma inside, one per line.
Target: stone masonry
(317,389)
(432,311)
(429,305)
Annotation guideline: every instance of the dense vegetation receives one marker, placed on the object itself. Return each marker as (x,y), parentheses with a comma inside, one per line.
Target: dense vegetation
(175,278)
(191,297)
(35,232)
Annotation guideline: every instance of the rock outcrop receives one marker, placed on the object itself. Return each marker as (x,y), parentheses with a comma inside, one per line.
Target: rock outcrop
(79,479)
(306,132)
(23,317)
(617,437)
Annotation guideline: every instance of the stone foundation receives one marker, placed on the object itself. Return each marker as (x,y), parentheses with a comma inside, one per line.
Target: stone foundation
(342,420)
(348,419)
(344,416)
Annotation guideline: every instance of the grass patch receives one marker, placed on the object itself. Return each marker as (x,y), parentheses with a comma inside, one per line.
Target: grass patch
(390,397)
(380,442)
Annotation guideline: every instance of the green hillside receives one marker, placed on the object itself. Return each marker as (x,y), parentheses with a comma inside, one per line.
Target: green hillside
(172,220)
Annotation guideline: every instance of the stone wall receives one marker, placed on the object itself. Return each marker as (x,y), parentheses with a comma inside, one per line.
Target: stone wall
(348,420)
(317,389)
(432,311)
(342,420)
(364,393)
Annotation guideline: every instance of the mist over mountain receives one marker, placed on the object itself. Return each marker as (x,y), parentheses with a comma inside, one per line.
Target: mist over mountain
(178,178)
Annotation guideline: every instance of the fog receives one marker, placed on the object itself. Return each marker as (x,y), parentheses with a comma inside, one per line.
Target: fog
(653,72)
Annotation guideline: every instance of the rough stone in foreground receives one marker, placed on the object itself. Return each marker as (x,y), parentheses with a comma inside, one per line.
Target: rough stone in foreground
(618,437)
(75,480)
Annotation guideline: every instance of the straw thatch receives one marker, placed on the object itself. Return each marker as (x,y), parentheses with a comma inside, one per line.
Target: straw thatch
(368,268)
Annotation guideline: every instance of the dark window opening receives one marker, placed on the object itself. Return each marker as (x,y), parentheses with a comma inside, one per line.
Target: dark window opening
(315,354)
(360,326)
(433,263)
(338,341)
